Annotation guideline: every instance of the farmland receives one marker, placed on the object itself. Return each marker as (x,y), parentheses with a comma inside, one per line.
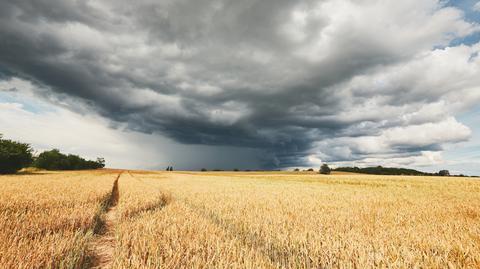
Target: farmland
(238,220)
(47,219)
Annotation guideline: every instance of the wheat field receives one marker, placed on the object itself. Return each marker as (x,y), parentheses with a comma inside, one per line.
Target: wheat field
(47,218)
(241,220)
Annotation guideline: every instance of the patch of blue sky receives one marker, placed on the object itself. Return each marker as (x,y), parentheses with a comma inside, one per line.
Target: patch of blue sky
(468,7)
(28,103)
(465,157)
(472,119)
(471,15)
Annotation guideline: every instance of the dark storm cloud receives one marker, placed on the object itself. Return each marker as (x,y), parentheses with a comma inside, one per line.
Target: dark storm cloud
(281,76)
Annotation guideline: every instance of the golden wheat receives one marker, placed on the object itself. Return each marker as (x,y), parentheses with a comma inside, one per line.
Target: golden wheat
(158,232)
(286,220)
(47,218)
(243,220)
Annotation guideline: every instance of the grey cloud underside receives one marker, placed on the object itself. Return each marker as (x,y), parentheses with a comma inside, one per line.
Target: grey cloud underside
(236,72)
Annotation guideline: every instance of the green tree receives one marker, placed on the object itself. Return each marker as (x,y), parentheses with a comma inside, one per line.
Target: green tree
(51,160)
(101,162)
(55,160)
(14,156)
(324,169)
(444,173)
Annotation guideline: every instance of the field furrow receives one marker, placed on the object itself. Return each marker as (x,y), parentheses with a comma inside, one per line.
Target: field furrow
(238,220)
(311,221)
(48,219)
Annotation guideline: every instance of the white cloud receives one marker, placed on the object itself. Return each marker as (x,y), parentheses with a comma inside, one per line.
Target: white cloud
(424,159)
(394,145)
(397,28)
(447,131)
(476,7)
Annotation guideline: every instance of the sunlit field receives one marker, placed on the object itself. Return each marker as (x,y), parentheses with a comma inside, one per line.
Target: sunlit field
(242,220)
(47,218)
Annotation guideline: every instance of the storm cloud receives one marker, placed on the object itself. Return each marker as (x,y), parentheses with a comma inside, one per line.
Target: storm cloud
(301,81)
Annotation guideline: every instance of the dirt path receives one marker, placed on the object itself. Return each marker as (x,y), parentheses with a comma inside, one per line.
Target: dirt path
(103,246)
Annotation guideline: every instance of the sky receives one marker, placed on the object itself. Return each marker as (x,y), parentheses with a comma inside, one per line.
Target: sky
(254,84)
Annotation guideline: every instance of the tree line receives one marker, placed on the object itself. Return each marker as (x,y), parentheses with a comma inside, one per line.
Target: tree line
(17,155)
(380,170)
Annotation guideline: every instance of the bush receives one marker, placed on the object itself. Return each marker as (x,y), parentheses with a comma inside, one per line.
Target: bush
(444,173)
(324,169)
(14,156)
(55,160)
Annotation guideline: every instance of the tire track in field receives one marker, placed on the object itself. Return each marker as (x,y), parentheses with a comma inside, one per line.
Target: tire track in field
(102,247)
(163,199)
(279,256)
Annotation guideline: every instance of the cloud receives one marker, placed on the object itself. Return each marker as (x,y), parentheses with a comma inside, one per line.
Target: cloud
(280,76)
(393,142)
(34,121)
(476,7)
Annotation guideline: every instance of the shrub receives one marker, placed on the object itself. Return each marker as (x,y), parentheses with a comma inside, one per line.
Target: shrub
(14,156)
(324,169)
(55,160)
(444,173)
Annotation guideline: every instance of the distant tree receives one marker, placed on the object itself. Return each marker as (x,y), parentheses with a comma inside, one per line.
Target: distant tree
(204,170)
(14,156)
(51,160)
(101,162)
(310,170)
(379,170)
(55,160)
(168,168)
(444,173)
(296,170)
(171,168)
(235,170)
(324,169)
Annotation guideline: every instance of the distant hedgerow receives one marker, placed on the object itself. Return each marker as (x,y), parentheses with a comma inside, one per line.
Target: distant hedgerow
(55,160)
